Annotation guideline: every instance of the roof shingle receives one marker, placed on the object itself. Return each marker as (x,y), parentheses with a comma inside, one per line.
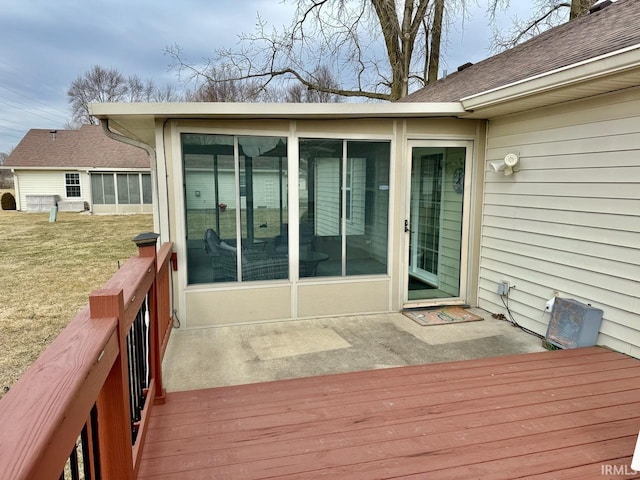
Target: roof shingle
(87,147)
(612,28)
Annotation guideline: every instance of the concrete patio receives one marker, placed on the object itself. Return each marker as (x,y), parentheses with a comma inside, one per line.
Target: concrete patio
(252,353)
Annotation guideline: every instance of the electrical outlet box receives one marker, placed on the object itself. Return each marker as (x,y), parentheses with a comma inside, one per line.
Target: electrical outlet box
(549,305)
(503,288)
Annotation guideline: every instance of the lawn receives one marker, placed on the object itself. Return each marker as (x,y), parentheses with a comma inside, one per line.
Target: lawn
(48,271)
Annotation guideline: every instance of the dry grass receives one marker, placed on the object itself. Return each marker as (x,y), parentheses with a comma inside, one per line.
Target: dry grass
(48,271)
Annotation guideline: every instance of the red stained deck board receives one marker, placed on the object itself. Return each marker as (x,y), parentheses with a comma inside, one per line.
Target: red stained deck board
(566,411)
(351,382)
(226,404)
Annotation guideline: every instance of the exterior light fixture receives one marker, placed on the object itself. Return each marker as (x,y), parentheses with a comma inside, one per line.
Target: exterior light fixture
(508,165)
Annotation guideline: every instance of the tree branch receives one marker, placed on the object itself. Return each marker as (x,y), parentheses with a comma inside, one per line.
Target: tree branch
(548,15)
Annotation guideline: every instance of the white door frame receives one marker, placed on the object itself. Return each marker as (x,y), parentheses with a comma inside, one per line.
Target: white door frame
(466,208)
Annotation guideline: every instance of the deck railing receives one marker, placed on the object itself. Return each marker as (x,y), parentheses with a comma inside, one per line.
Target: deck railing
(81,410)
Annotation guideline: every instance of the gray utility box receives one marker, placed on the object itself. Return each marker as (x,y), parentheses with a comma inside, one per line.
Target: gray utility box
(41,203)
(573,324)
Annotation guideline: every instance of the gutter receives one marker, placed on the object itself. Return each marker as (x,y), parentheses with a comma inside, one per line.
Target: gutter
(571,75)
(121,138)
(152,163)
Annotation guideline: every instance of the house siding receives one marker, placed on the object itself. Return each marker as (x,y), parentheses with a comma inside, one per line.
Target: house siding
(449,272)
(327,197)
(52,182)
(49,183)
(569,220)
(265,189)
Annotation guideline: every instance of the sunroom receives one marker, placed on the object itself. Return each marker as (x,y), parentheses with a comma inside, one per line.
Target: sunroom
(299,211)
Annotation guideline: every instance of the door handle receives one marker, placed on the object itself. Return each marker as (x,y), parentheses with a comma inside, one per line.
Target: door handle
(406,226)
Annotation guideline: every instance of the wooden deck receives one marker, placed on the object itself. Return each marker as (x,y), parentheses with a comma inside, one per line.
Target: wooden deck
(551,415)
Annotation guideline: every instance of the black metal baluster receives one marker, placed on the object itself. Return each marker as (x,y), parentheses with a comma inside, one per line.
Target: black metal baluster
(73,463)
(132,406)
(137,343)
(144,364)
(95,440)
(86,453)
(137,349)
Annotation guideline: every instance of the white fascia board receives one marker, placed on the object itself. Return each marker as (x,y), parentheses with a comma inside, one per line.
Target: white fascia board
(611,63)
(80,169)
(116,170)
(297,111)
(47,168)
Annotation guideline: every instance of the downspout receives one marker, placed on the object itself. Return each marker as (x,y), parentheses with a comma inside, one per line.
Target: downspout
(152,163)
(16,189)
(156,197)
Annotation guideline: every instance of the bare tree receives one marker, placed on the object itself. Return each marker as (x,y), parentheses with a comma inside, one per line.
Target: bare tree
(546,14)
(140,90)
(109,85)
(298,93)
(580,7)
(96,85)
(218,84)
(6,177)
(166,93)
(382,48)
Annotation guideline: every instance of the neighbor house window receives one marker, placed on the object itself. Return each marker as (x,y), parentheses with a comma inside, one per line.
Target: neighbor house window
(72,184)
(235,196)
(103,188)
(344,207)
(146,188)
(128,188)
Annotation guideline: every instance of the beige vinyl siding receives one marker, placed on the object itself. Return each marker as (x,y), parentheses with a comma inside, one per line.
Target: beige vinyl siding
(265,190)
(50,183)
(327,177)
(569,220)
(357,187)
(378,230)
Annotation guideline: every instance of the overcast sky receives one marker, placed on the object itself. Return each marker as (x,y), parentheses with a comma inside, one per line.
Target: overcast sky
(46,44)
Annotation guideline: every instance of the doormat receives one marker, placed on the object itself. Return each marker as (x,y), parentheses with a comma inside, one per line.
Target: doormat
(441,316)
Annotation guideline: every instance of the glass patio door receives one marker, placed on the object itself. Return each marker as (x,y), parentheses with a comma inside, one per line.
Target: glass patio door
(435,222)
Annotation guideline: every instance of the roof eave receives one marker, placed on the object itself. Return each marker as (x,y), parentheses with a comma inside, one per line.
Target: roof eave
(280,111)
(482,104)
(73,168)
(138,121)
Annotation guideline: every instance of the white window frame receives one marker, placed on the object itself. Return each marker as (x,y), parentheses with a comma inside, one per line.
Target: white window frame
(67,185)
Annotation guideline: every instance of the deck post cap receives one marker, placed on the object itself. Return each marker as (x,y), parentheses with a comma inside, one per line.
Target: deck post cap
(146,239)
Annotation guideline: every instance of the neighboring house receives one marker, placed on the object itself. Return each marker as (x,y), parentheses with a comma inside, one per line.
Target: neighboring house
(382,207)
(78,170)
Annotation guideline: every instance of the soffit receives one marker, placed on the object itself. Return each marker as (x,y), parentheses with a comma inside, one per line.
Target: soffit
(531,98)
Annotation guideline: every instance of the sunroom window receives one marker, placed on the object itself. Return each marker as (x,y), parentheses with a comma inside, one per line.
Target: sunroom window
(235,196)
(344,207)
(237,223)
(103,188)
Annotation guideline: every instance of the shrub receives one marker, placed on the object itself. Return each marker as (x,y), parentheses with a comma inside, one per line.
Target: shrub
(7,201)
